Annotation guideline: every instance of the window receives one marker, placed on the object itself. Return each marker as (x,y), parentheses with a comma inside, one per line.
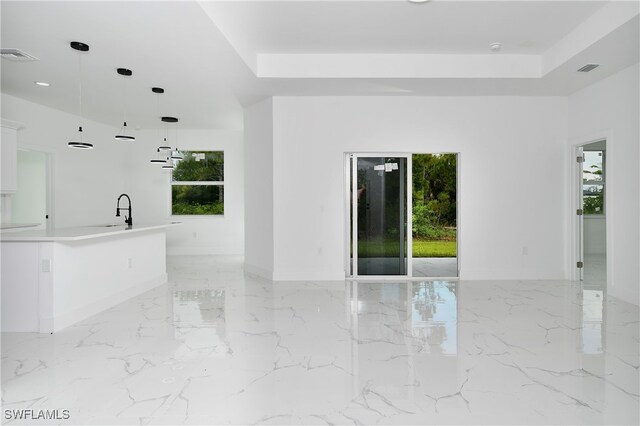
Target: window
(197,183)
(593,180)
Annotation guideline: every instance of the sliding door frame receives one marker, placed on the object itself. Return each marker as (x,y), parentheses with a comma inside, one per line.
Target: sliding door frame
(351,202)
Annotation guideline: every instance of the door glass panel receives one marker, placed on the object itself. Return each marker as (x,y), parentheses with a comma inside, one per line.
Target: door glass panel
(381,215)
(434,213)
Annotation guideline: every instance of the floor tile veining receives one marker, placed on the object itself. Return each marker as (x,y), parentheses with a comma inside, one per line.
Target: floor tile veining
(215,347)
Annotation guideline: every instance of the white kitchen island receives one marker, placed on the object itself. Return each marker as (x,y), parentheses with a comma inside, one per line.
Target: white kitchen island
(52,279)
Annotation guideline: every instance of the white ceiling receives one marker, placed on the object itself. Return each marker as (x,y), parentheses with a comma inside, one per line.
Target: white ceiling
(450,27)
(214,57)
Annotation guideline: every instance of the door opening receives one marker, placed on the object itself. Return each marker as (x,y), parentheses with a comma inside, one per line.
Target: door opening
(401,212)
(592,214)
(32,200)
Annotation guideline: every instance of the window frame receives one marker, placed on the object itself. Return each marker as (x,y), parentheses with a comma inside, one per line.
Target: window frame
(173,183)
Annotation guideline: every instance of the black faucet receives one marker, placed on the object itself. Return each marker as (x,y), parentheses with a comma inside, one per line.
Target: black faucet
(127,220)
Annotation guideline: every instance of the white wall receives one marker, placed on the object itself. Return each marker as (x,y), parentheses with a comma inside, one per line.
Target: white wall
(259,188)
(86,182)
(610,108)
(151,193)
(512,177)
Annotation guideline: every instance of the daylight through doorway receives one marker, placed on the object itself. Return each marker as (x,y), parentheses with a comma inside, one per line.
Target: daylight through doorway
(434,214)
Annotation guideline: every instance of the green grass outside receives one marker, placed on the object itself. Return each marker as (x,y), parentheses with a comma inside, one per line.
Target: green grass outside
(421,248)
(197,209)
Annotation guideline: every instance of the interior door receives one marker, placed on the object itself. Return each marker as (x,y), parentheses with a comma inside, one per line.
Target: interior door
(379,215)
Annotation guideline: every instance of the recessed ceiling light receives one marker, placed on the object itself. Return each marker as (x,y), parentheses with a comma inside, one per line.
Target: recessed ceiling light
(419,1)
(42,83)
(495,47)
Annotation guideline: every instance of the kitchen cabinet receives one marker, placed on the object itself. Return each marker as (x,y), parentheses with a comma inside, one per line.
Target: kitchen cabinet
(53,278)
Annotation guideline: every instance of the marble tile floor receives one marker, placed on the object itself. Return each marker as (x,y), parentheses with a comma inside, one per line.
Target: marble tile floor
(215,347)
(435,267)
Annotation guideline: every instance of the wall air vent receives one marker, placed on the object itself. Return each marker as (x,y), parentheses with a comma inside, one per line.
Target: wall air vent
(588,67)
(16,55)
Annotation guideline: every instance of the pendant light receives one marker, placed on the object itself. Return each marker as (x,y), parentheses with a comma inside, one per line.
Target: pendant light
(123,135)
(175,154)
(164,146)
(77,140)
(160,159)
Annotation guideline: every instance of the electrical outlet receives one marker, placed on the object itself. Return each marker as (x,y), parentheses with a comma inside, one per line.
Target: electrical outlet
(130,263)
(525,250)
(195,235)
(46,265)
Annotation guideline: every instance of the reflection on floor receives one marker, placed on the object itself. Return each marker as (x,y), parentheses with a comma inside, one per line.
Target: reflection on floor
(435,267)
(595,269)
(214,347)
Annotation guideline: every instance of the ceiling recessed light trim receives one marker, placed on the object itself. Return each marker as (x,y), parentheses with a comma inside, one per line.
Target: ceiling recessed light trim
(169,119)
(158,90)
(42,83)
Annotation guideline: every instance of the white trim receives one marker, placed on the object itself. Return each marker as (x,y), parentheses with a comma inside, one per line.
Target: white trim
(403,278)
(346,227)
(16,125)
(409,232)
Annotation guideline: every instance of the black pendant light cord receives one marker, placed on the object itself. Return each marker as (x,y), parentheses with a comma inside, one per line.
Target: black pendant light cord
(80,84)
(124,95)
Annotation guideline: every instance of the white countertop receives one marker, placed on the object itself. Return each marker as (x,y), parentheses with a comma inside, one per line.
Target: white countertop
(17,225)
(80,233)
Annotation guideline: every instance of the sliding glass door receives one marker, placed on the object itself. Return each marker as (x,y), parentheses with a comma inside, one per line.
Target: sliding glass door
(379,216)
(401,215)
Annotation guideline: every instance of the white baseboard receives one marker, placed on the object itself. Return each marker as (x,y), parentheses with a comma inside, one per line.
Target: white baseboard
(58,322)
(204,250)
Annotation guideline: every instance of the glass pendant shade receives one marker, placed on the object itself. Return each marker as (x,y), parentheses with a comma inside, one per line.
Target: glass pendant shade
(77,142)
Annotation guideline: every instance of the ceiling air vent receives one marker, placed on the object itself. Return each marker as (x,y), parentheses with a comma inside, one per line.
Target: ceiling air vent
(16,55)
(588,67)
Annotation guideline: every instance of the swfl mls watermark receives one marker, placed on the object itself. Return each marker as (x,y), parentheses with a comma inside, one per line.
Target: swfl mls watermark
(28,414)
